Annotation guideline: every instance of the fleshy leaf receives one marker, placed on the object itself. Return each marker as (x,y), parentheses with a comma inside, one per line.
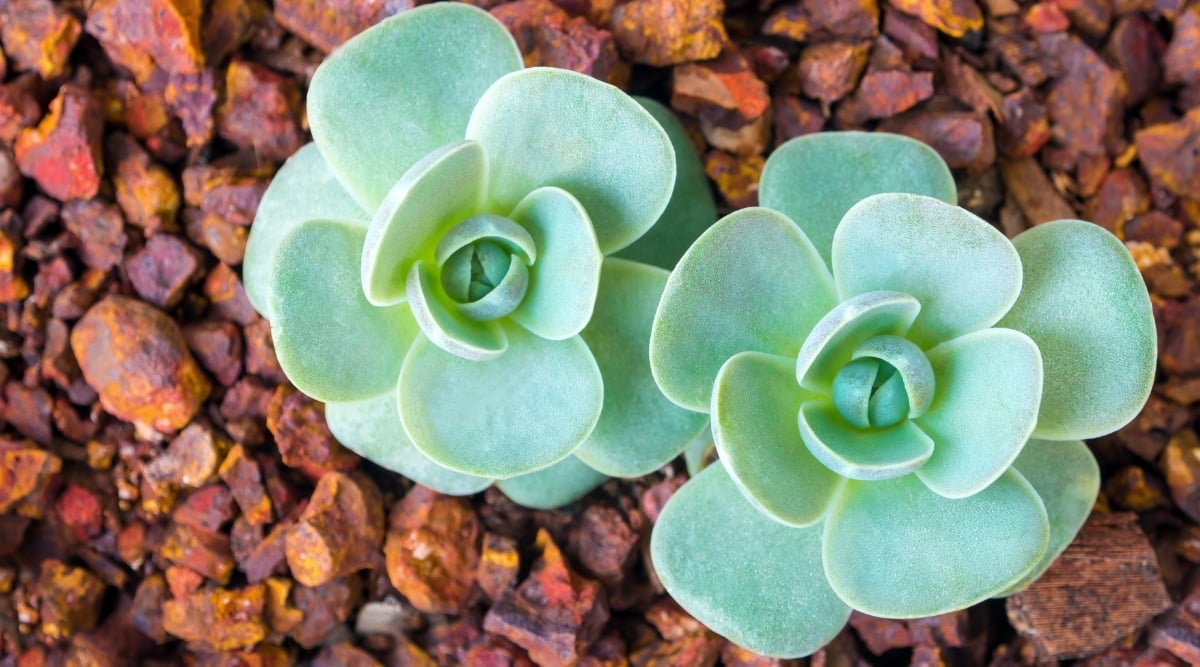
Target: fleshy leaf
(831,343)
(564,279)
(1067,478)
(487,226)
(440,190)
(543,126)
(561,484)
(754,408)
(1086,307)
(895,549)
(639,431)
(304,189)
(749,578)
(751,282)
(912,368)
(700,451)
(816,178)
(520,412)
(371,427)
(965,273)
(870,454)
(403,88)
(989,387)
(691,209)
(443,325)
(333,345)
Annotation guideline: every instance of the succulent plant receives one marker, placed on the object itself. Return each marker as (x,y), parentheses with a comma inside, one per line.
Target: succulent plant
(898,395)
(437,265)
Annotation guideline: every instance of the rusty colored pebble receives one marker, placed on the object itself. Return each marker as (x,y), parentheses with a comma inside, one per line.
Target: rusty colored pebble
(881,634)
(191,98)
(1086,102)
(145,35)
(914,36)
(953,17)
(267,557)
(655,498)
(549,37)
(38,35)
(281,616)
(746,140)
(725,90)
(136,359)
(207,509)
(303,438)
(81,511)
(950,629)
(263,655)
(1122,195)
(1028,184)
(1045,17)
(71,598)
(18,110)
(146,614)
(218,620)
(218,347)
(886,93)
(28,410)
(162,269)
(100,229)
(339,532)
(830,70)
(554,614)
(146,191)
(261,111)
(736,178)
(499,562)
(1024,125)
(63,152)
(1170,154)
(182,581)
(260,356)
(602,541)
(733,655)
(495,650)
(1135,47)
(431,549)
(225,190)
(12,286)
(795,117)
(201,551)
(225,240)
(670,32)
(191,459)
(227,296)
(702,650)
(1158,229)
(1131,489)
(848,19)
(244,479)
(1181,467)
(25,474)
(790,21)
(328,25)
(12,183)
(344,654)
(963,138)
(323,608)
(1105,586)
(1181,62)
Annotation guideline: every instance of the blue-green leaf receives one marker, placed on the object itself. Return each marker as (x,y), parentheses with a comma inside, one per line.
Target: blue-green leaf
(561,484)
(870,454)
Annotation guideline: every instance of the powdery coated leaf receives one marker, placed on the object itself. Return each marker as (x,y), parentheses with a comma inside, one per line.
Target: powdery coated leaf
(748,577)
(563,281)
(751,282)
(303,189)
(440,190)
(403,88)
(520,412)
(700,450)
(1086,307)
(989,385)
(832,342)
(870,454)
(331,343)
(816,178)
(691,209)
(1066,476)
(965,273)
(895,549)
(639,431)
(561,484)
(545,126)
(444,326)
(371,427)
(754,408)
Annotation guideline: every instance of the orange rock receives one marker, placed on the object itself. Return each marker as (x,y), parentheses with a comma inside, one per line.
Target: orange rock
(146,191)
(191,459)
(326,25)
(244,479)
(550,37)
(145,35)
(71,598)
(1168,154)
(12,286)
(135,357)
(261,111)
(38,35)
(499,562)
(218,620)
(339,532)
(431,550)
(303,438)
(953,17)
(714,88)
(63,152)
(25,474)
(736,178)
(789,21)
(670,32)
(281,616)
(830,70)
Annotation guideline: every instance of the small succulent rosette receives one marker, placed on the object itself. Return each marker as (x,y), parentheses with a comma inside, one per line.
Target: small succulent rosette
(436,264)
(897,395)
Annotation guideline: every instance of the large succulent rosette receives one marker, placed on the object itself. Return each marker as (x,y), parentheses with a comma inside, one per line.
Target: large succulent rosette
(898,395)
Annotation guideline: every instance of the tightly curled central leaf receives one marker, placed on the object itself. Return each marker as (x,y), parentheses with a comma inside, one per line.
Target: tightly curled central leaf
(484,262)
(889,380)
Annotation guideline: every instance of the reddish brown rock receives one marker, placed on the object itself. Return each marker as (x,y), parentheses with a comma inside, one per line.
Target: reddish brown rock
(18,110)
(830,70)
(26,472)
(1181,63)
(550,37)
(191,459)
(1170,154)
(499,563)
(323,610)
(162,269)
(267,557)
(191,98)
(1136,48)
(146,191)
(723,91)
(28,410)
(852,19)
(227,191)
(227,296)
(886,93)
(339,532)
(225,240)
(63,152)
(205,552)
(670,32)
(143,36)
(736,177)
(1087,101)
(963,138)
(12,184)
(135,358)
(13,287)
(1024,125)
(261,111)
(603,542)
(244,478)
(147,612)
(81,511)
(795,117)
(71,598)
(1122,195)
(100,229)
(1181,466)
(953,17)
(344,654)
(218,347)
(431,549)
(303,438)
(1131,489)
(38,35)
(328,26)
(881,634)
(789,20)
(218,620)
(1033,192)
(554,614)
